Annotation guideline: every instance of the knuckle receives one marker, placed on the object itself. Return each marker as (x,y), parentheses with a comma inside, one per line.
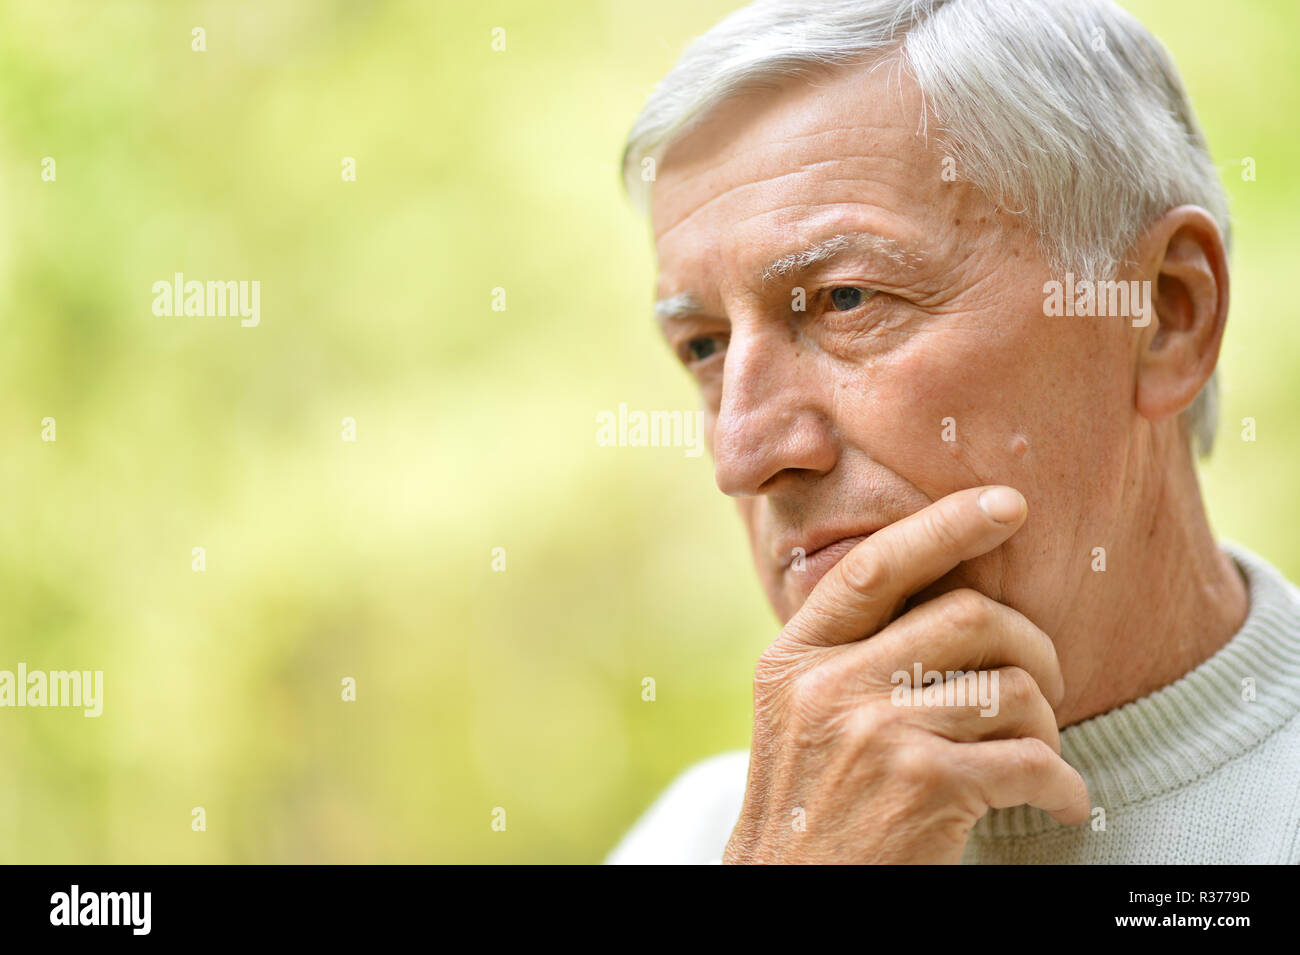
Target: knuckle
(1016,686)
(807,695)
(915,767)
(813,701)
(866,573)
(1034,756)
(967,609)
(868,725)
(955,825)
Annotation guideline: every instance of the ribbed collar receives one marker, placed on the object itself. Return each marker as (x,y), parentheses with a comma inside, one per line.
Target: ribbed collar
(1194,725)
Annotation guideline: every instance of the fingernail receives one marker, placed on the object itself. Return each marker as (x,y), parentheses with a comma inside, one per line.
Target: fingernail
(1003,504)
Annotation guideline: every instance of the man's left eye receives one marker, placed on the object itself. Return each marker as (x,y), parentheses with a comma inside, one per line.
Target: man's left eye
(848,297)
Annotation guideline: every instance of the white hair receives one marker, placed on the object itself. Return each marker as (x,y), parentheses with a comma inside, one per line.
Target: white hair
(1067,111)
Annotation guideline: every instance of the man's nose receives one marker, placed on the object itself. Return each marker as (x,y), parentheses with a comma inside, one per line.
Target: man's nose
(773,416)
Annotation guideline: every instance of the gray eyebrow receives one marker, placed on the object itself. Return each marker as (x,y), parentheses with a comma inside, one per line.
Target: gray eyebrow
(829,248)
(684,303)
(676,306)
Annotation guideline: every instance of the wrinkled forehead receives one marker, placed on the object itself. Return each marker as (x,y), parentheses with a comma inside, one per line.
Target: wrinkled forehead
(804,156)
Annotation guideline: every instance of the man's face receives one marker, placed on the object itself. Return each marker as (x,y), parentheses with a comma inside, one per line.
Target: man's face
(921,361)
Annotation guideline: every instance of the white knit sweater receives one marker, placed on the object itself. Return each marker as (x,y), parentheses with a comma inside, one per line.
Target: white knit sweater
(1201,771)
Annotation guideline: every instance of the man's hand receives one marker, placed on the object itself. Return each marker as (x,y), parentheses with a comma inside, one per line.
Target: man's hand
(840,773)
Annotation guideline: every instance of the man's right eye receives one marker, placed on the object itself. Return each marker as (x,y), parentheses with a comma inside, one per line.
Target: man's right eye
(698,349)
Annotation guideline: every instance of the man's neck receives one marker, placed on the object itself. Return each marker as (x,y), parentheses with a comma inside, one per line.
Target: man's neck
(1173,600)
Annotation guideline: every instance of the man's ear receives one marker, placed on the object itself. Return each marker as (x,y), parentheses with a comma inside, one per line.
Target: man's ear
(1183,256)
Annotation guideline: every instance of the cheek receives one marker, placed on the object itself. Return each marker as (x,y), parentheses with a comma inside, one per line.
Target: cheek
(948,412)
(983,400)
(1028,407)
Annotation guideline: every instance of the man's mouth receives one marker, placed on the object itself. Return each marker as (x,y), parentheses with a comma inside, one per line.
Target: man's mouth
(805,569)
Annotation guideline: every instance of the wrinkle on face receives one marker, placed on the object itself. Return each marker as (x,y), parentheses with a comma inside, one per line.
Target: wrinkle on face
(836,418)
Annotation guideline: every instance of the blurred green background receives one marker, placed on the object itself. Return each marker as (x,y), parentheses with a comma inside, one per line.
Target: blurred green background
(372,559)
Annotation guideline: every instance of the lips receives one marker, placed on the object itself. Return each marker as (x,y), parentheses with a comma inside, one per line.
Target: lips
(818,541)
(806,572)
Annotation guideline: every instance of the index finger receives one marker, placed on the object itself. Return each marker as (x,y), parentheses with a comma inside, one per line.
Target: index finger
(862,592)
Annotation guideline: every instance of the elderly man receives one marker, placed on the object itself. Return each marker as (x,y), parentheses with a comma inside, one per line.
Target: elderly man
(952,279)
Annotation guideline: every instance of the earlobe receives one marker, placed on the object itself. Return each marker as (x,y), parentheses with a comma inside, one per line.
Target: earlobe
(1185,262)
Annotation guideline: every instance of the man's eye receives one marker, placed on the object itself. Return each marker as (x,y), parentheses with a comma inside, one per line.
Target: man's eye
(698,349)
(848,297)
